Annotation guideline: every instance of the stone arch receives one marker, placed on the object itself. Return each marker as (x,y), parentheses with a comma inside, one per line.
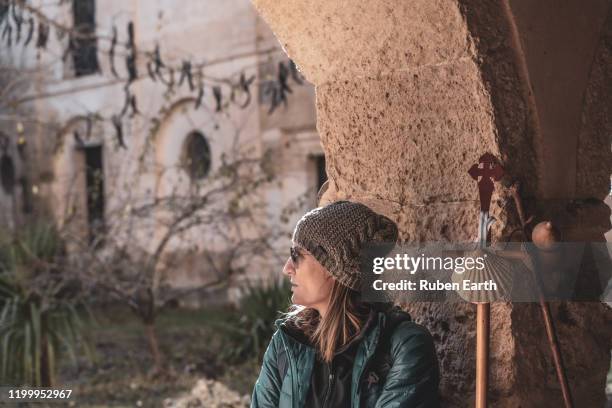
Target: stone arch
(179,122)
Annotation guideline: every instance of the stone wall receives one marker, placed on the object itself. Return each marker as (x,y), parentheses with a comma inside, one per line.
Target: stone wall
(410,94)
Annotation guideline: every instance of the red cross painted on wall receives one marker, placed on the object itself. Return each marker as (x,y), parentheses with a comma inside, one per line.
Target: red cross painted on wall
(489,171)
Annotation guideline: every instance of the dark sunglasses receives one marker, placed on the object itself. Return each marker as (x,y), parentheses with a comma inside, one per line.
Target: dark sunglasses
(295,255)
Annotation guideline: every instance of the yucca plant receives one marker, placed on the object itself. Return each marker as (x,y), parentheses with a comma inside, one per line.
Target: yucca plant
(261,304)
(39,310)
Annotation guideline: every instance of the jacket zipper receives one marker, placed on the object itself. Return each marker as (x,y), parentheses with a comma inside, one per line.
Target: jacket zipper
(361,376)
(365,369)
(329,385)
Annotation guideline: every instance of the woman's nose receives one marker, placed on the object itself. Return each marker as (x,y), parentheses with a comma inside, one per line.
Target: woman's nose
(288,269)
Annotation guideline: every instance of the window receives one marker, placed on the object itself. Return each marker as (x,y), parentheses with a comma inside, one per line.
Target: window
(7,173)
(321,174)
(94,185)
(27,205)
(196,156)
(84,51)
(316,177)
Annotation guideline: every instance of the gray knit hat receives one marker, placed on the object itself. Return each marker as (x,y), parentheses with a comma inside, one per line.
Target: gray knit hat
(337,233)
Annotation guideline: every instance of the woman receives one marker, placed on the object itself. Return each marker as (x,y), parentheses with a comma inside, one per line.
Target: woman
(332,349)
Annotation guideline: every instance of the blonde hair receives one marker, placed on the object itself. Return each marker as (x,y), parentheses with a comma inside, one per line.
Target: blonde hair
(344,319)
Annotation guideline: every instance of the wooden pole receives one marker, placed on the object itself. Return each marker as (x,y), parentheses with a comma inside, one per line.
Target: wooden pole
(483,314)
(556,353)
(548,322)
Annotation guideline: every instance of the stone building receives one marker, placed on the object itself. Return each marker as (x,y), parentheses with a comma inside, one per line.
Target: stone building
(62,146)
(411,93)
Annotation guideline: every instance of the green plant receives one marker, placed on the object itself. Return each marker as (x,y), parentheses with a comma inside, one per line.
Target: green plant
(258,308)
(39,308)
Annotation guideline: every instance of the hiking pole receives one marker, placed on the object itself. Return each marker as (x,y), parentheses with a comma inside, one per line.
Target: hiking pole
(483,320)
(542,236)
(490,170)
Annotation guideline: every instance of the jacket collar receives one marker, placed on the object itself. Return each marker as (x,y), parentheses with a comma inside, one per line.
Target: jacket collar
(369,335)
(371,321)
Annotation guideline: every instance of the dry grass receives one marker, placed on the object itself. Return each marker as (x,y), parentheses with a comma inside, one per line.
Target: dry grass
(120,376)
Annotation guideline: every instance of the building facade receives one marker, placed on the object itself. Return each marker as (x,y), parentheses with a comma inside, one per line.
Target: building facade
(91,137)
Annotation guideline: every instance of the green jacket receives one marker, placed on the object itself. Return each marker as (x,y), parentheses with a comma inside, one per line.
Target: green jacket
(411,381)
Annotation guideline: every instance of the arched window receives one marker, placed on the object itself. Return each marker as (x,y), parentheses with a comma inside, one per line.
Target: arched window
(196,155)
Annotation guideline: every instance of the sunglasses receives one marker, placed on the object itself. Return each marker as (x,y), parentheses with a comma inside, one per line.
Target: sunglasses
(295,255)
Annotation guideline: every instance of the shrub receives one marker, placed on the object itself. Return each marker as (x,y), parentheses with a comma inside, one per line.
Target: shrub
(259,307)
(39,307)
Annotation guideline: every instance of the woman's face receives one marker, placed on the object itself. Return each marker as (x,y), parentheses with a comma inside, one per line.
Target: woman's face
(311,283)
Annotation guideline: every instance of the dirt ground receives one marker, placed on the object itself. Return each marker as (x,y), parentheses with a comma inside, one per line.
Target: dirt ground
(192,342)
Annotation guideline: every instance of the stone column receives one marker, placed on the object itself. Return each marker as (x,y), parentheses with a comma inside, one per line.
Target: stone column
(411,93)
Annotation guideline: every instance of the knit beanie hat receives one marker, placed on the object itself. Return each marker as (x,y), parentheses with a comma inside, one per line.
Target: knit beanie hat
(337,233)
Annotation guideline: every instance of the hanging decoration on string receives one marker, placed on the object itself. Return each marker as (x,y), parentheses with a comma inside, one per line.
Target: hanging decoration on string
(20,22)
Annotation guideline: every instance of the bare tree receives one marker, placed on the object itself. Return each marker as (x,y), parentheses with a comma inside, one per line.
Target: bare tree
(128,256)
(119,263)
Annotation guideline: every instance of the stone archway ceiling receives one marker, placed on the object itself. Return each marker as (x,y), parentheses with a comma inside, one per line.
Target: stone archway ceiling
(334,40)
(401,104)
(558,42)
(477,75)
